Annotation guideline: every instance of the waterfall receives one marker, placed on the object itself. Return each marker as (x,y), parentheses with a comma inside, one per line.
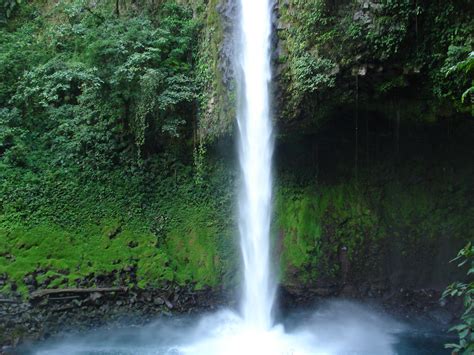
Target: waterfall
(255,156)
(337,328)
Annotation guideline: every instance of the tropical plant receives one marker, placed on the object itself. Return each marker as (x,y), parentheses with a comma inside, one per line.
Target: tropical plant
(466,67)
(465,328)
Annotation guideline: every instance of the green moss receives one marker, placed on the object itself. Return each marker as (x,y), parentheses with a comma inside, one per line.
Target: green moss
(316,223)
(299,219)
(62,257)
(408,213)
(195,257)
(171,232)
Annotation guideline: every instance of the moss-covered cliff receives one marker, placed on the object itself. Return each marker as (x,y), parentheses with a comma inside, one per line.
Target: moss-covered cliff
(373,54)
(117,155)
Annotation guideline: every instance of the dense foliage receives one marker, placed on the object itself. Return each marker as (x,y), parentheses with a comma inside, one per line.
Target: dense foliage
(103,89)
(400,52)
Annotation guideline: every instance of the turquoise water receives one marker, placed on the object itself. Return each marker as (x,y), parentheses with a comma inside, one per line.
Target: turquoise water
(422,343)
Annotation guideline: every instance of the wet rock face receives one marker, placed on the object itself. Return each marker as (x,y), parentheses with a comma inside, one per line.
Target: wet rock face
(228,10)
(45,315)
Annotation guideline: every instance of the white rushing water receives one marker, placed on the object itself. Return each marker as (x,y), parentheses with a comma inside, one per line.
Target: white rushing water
(255,155)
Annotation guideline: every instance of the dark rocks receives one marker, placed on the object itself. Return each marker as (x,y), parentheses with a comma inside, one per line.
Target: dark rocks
(95,296)
(168,304)
(47,314)
(158,301)
(23,321)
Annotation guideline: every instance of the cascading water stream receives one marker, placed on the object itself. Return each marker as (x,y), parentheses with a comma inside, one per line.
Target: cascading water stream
(255,155)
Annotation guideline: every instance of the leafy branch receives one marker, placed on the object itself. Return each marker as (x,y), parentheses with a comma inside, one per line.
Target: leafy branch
(465,329)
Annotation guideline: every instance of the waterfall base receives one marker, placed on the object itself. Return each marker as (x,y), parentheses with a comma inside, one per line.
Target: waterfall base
(337,328)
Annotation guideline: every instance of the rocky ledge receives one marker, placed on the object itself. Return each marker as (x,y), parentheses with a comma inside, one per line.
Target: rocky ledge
(51,311)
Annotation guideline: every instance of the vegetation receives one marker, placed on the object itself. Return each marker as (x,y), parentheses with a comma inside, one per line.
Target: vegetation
(465,329)
(113,114)
(97,133)
(91,232)
(316,224)
(352,52)
(405,217)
